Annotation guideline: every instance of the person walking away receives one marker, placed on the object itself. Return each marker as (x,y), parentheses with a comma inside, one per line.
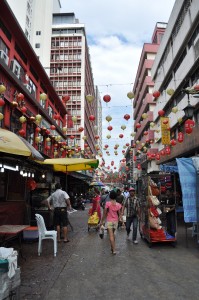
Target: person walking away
(96,204)
(104,199)
(126,192)
(120,199)
(131,204)
(60,200)
(112,214)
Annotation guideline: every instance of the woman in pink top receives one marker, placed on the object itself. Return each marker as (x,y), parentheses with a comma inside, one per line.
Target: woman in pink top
(112,214)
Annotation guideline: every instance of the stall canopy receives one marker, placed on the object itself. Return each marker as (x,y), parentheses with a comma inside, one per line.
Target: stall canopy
(71,164)
(13,144)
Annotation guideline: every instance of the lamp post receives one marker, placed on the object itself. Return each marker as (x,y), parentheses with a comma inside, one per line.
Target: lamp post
(189,109)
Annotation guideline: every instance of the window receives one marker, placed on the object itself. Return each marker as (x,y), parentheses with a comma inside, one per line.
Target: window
(37,45)
(50,111)
(38,32)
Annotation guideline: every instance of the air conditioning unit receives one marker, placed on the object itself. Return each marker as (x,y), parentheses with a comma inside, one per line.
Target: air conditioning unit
(15,67)
(4,57)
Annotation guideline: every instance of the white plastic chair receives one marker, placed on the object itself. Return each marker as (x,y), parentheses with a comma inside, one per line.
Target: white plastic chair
(45,234)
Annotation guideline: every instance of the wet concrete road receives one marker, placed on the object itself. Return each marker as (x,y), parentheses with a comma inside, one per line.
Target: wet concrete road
(85,269)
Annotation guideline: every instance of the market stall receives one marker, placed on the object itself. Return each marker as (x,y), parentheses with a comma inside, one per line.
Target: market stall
(158,209)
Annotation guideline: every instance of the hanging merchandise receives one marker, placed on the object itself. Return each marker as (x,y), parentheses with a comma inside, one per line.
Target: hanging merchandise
(155,225)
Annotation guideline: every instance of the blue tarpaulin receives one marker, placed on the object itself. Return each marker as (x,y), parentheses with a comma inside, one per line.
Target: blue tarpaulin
(188,175)
(169,168)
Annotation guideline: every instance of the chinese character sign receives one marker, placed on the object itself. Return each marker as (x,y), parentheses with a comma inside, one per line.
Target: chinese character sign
(165,130)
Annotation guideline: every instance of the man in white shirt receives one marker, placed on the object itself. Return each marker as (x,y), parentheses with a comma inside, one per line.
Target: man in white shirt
(60,200)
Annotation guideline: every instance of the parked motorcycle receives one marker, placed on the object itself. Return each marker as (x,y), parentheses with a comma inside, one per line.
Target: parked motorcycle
(78,202)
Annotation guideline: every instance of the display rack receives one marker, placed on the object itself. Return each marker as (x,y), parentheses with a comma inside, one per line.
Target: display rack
(157,220)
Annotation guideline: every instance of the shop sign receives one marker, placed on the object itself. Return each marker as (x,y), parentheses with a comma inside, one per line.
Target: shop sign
(165,130)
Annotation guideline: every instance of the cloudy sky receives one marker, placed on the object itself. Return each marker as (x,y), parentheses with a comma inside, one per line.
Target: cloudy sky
(116,31)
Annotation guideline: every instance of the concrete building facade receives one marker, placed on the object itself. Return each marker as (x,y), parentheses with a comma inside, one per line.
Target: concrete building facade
(143,104)
(176,69)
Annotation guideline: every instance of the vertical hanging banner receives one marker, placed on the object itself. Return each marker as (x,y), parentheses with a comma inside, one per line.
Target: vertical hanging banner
(164,121)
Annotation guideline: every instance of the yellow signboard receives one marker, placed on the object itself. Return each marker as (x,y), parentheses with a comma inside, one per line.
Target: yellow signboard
(165,130)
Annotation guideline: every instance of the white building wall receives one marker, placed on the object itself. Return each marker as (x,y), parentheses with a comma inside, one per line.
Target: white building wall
(163,67)
(40,20)
(23,14)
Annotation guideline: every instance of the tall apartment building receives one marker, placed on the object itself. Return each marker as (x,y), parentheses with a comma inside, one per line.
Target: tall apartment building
(35,19)
(60,44)
(71,75)
(143,101)
(176,68)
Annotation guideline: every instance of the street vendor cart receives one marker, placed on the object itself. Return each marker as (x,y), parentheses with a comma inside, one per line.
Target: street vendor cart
(157,222)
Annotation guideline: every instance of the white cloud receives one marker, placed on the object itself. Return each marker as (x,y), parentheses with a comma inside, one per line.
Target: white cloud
(116,31)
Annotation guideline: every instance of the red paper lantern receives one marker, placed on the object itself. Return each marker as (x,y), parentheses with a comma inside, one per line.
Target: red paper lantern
(180,137)
(112,163)
(161,113)
(127,117)
(80,129)
(162,152)
(37,129)
(189,123)
(138,125)
(65,98)
(2,102)
(106,146)
(109,127)
(92,118)
(56,117)
(72,137)
(123,151)
(156,94)
(52,127)
(127,144)
(173,142)
(139,166)
(20,97)
(121,135)
(22,132)
(23,109)
(107,98)
(167,150)
(47,131)
(134,158)
(188,130)
(145,132)
(157,156)
(196,87)
(97,137)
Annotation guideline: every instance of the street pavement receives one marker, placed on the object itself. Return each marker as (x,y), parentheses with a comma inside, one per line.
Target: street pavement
(85,269)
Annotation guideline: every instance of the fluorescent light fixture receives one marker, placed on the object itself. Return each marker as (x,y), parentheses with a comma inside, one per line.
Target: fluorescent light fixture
(11,168)
(2,170)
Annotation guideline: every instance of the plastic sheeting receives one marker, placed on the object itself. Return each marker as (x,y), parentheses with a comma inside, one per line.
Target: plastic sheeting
(188,176)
